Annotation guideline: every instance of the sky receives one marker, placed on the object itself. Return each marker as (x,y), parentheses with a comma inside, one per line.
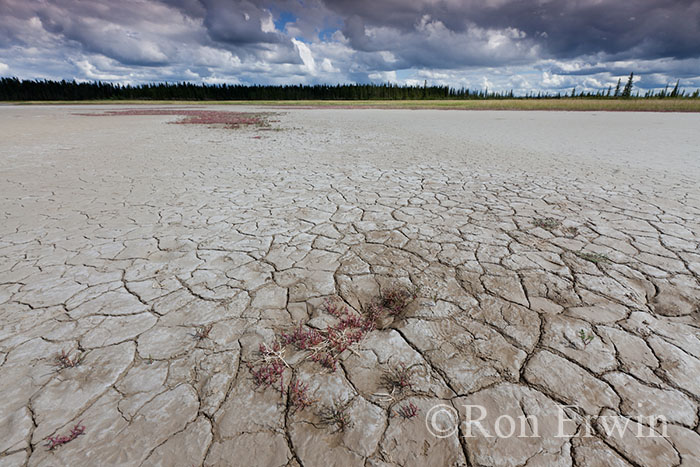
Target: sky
(523,45)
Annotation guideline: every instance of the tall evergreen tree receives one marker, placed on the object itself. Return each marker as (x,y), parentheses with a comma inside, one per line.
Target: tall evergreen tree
(617,88)
(627,92)
(674,93)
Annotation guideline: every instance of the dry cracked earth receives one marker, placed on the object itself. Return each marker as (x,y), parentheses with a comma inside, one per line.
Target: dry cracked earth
(557,256)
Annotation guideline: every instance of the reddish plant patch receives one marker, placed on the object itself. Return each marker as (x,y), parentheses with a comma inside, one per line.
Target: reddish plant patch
(299,396)
(194,117)
(202,332)
(65,361)
(303,339)
(397,299)
(326,345)
(55,441)
(269,369)
(408,411)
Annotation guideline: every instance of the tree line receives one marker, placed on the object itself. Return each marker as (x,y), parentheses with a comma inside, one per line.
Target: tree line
(14,89)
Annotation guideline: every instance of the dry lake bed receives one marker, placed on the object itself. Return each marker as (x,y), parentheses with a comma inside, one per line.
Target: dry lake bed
(350,288)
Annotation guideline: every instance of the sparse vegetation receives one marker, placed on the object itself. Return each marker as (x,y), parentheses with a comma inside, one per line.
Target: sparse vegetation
(398,378)
(299,398)
(547,223)
(338,338)
(202,332)
(64,360)
(595,258)
(408,411)
(585,338)
(325,346)
(269,369)
(229,120)
(397,299)
(303,338)
(337,415)
(56,441)
(550,223)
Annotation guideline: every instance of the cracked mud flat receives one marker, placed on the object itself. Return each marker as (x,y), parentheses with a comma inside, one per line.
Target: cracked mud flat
(120,236)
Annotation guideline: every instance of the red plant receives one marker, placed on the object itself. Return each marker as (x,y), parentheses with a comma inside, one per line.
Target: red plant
(302,339)
(299,396)
(350,329)
(343,335)
(408,411)
(397,299)
(326,360)
(373,312)
(55,441)
(195,117)
(399,378)
(325,346)
(267,375)
(202,332)
(269,369)
(65,361)
(334,308)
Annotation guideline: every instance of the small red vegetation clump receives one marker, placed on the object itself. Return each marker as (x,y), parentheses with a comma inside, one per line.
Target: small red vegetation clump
(269,369)
(195,117)
(303,339)
(202,332)
(65,361)
(326,345)
(299,398)
(55,441)
(397,299)
(350,329)
(228,119)
(408,411)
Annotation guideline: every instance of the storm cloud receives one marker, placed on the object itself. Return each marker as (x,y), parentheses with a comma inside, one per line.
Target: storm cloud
(500,44)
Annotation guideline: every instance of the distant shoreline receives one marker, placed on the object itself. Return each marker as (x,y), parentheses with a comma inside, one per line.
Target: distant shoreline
(562,104)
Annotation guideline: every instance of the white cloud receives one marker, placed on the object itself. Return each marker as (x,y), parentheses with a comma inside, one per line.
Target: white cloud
(327,66)
(266,23)
(384,77)
(551,80)
(90,71)
(305,55)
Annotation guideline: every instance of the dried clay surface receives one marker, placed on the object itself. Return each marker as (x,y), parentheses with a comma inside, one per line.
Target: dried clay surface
(306,293)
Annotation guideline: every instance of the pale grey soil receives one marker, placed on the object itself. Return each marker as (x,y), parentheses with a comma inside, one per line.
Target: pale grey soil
(119,236)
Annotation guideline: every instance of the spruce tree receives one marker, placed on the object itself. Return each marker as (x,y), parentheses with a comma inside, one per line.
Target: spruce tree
(627,92)
(617,88)
(674,93)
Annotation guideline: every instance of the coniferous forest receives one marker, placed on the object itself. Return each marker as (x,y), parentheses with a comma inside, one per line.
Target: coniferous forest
(13,89)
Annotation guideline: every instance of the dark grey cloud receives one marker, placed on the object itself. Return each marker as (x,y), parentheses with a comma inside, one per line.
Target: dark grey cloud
(563,28)
(520,44)
(238,23)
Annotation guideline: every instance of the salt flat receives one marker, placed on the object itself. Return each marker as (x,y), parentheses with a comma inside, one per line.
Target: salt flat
(557,256)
